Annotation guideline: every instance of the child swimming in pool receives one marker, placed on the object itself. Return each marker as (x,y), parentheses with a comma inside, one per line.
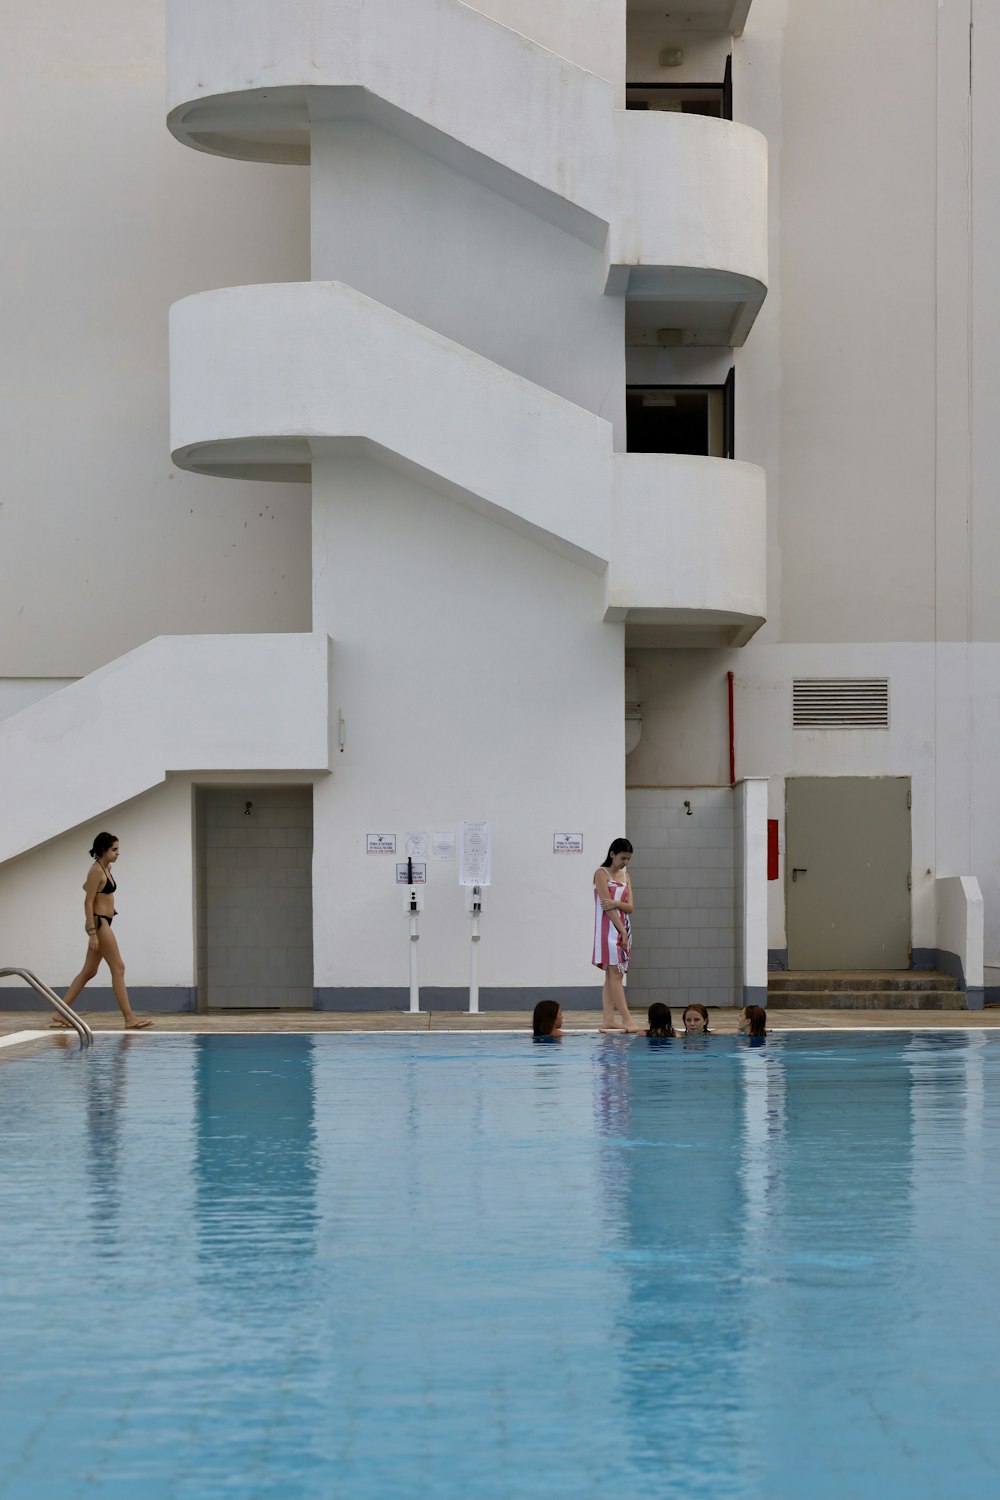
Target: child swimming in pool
(752,1021)
(661,1023)
(546,1021)
(696,1021)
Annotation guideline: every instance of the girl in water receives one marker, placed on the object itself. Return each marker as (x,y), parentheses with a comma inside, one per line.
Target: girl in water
(696,1021)
(99,912)
(661,1022)
(613,905)
(546,1022)
(752,1020)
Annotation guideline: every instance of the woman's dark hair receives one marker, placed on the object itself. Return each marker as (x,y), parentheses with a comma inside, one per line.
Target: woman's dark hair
(544,1017)
(757,1016)
(702,1011)
(102,844)
(661,1022)
(619,846)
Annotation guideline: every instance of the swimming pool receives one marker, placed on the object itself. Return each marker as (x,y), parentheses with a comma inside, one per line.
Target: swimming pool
(470,1268)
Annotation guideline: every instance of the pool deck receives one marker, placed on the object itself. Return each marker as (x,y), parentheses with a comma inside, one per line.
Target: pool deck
(723,1019)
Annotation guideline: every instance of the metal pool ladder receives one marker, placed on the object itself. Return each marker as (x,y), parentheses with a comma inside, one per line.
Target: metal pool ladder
(78,1024)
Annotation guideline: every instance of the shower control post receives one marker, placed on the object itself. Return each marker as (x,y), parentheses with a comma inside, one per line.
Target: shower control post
(414,906)
(474,908)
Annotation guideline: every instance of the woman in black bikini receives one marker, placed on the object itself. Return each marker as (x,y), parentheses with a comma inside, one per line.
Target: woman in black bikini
(99,910)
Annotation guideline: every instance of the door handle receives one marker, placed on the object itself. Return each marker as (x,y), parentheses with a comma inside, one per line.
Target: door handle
(797,871)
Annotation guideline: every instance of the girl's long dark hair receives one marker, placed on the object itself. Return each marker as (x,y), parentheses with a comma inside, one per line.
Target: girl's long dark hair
(618,846)
(102,844)
(661,1022)
(544,1017)
(757,1016)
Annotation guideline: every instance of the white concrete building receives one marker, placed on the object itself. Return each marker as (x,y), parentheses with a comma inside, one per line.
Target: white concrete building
(495,489)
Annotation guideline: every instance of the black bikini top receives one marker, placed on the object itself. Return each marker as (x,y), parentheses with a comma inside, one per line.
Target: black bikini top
(110,887)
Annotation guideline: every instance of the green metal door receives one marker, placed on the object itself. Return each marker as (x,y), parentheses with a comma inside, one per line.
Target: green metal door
(847,872)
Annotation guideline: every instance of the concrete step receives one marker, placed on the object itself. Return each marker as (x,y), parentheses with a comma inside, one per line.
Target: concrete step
(865,999)
(860,979)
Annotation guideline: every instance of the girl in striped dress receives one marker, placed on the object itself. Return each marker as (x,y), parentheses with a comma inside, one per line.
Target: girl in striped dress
(613,906)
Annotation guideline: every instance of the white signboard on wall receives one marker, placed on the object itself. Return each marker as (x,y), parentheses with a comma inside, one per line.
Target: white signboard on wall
(475,853)
(444,843)
(567,843)
(380,843)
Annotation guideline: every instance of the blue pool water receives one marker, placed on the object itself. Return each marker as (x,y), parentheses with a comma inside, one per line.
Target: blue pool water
(470,1268)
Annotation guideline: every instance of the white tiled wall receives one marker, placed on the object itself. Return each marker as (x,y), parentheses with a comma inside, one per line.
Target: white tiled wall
(255,897)
(683,869)
(739,886)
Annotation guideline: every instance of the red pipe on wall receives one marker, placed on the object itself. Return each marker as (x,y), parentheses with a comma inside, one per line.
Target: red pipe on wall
(732,733)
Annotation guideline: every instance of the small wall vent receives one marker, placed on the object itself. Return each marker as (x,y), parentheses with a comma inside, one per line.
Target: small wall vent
(840,703)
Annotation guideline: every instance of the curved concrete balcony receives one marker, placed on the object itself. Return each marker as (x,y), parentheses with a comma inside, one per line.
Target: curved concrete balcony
(728,16)
(247,79)
(689,563)
(688,245)
(265,378)
(238,703)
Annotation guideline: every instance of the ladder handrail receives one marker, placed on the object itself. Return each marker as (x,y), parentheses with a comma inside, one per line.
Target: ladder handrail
(78,1024)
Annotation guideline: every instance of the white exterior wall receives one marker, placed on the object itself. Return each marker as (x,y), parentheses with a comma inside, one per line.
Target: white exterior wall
(21,692)
(474,267)
(590,33)
(41,901)
(476,680)
(103,543)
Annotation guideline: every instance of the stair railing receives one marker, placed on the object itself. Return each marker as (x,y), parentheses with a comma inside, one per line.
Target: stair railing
(68,1014)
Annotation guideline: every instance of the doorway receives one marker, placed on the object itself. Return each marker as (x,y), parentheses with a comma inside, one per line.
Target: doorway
(254,897)
(847,872)
(696,419)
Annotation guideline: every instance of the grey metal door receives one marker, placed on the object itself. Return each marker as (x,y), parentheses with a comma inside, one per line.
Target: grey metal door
(255,946)
(847,872)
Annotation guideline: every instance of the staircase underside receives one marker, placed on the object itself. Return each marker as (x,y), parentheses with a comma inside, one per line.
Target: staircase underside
(867,989)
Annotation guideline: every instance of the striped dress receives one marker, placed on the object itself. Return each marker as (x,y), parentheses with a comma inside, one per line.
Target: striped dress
(607,944)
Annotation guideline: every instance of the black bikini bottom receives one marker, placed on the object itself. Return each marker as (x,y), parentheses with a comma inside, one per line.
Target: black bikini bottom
(99,920)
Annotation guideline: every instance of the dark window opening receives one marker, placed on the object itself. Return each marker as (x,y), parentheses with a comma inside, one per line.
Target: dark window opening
(714,99)
(696,419)
(677,98)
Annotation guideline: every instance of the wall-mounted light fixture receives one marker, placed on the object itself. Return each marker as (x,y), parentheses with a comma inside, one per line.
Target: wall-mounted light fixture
(671,57)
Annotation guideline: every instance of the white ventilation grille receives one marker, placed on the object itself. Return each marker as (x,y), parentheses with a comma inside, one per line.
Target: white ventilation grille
(840,703)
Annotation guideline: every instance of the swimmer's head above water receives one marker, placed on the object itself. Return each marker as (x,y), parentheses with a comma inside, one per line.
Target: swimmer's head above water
(546,1020)
(752,1020)
(661,1022)
(695,1020)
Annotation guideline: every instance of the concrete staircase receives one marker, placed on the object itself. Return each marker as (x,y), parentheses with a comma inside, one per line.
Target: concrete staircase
(874,989)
